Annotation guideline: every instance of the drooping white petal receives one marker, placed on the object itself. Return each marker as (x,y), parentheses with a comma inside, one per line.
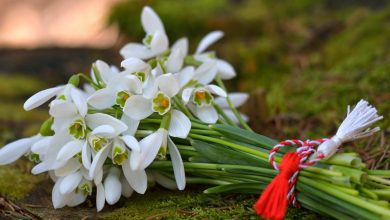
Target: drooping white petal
(207,114)
(180,124)
(225,69)
(79,100)
(100,197)
(164,181)
(181,44)
(150,146)
(177,164)
(75,199)
(39,168)
(206,72)
(136,178)
(99,177)
(104,70)
(62,109)
(175,61)
(150,21)
(136,50)
(168,84)
(40,147)
(69,167)
(56,143)
(102,98)
(127,191)
(104,130)
(131,142)
(159,43)
(185,75)
(216,90)
(86,155)
(113,186)
(132,125)
(138,107)
(98,161)
(95,120)
(14,150)
(134,84)
(57,198)
(70,149)
(237,98)
(207,40)
(134,64)
(41,97)
(186,94)
(70,182)
(89,90)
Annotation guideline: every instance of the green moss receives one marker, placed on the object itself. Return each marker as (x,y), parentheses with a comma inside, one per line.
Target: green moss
(16,184)
(192,204)
(14,85)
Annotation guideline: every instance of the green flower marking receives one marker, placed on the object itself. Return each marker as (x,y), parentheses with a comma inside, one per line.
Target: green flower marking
(141,76)
(34,157)
(78,129)
(161,103)
(148,39)
(202,97)
(97,142)
(121,98)
(85,187)
(119,155)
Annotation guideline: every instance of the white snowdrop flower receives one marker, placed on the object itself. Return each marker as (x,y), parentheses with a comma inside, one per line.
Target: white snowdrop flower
(71,199)
(104,71)
(238,99)
(149,149)
(223,68)
(155,41)
(200,101)
(116,92)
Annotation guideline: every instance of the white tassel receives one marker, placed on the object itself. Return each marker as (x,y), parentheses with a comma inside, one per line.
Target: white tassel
(355,126)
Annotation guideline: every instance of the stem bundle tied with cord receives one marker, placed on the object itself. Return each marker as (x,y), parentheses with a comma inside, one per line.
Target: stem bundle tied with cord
(165,116)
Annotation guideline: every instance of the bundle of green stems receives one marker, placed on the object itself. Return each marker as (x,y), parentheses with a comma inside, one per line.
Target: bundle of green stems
(234,160)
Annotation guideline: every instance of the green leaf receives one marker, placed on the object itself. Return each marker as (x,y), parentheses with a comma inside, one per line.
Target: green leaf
(224,155)
(245,136)
(255,188)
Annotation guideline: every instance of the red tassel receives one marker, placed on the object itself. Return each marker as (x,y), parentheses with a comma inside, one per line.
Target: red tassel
(273,202)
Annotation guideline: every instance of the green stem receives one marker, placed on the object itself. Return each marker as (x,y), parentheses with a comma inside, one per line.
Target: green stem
(230,103)
(183,108)
(224,116)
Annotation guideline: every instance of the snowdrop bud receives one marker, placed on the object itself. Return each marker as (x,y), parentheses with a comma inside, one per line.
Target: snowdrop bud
(161,103)
(78,128)
(45,129)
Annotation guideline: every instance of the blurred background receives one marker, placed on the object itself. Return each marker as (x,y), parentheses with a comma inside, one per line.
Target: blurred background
(303,61)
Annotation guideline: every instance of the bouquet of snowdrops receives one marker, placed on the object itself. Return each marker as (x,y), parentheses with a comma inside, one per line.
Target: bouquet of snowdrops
(165,116)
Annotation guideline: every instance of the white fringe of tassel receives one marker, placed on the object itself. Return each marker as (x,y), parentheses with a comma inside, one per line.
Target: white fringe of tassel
(355,126)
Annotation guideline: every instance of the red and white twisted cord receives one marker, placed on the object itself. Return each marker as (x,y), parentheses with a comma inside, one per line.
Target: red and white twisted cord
(305,150)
